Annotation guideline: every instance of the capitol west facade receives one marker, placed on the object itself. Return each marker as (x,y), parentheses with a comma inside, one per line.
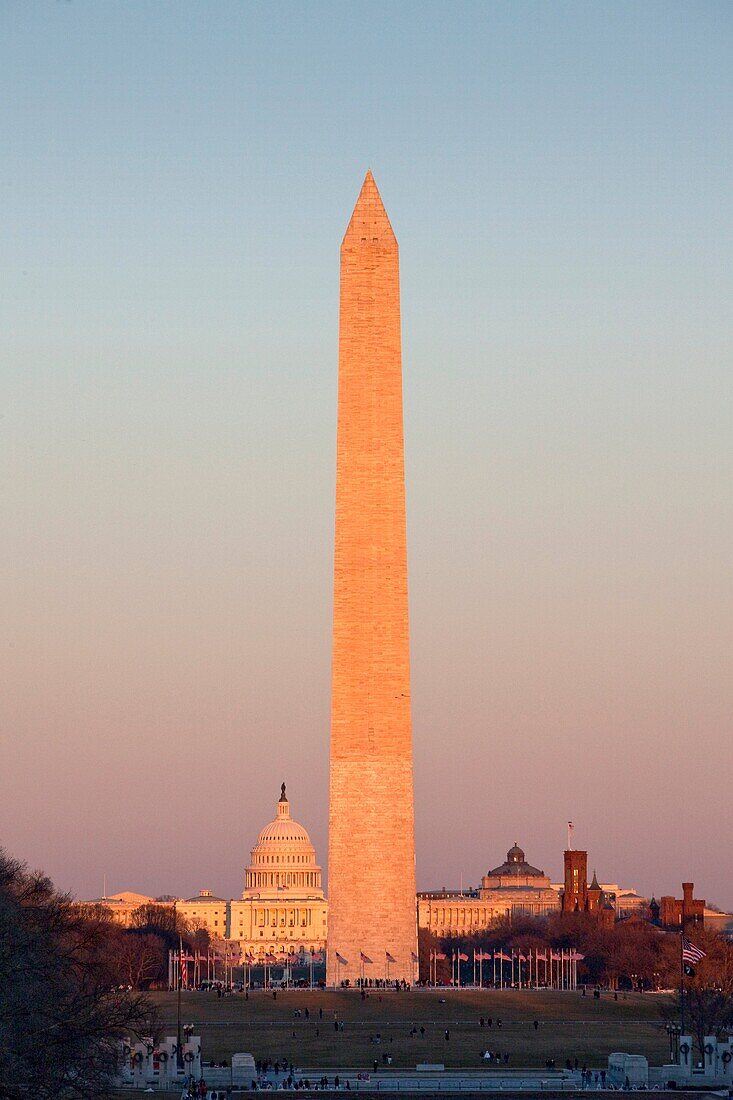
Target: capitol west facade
(282,908)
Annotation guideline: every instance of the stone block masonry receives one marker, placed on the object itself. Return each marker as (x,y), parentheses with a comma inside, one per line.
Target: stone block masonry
(371,858)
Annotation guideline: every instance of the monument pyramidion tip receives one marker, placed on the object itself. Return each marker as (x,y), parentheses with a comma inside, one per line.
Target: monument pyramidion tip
(369,222)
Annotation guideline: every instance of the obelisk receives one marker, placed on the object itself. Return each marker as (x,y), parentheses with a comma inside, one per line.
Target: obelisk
(372,925)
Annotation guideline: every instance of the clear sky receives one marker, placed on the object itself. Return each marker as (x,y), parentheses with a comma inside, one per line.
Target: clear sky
(175,181)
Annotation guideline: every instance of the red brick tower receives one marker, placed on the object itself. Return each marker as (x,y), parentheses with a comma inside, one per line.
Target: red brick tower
(575,897)
(371,846)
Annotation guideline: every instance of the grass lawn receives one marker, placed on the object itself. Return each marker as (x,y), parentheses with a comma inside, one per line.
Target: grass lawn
(570,1026)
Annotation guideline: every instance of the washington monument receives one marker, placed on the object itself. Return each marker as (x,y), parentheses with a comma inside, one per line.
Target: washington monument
(372,926)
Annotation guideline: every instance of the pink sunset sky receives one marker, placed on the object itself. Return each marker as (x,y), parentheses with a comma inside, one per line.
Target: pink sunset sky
(176,189)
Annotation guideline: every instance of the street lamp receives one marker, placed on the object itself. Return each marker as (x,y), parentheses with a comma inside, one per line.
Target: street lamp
(674,1032)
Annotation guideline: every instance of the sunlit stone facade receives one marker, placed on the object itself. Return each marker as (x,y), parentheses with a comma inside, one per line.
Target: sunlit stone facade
(513,889)
(206,910)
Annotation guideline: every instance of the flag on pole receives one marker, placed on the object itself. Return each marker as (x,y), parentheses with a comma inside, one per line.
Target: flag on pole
(340,959)
(541,955)
(690,953)
(462,958)
(691,956)
(440,955)
(415,958)
(555,957)
(364,958)
(390,958)
(576,955)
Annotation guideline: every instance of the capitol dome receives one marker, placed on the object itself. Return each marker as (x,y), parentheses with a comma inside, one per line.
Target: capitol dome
(283,859)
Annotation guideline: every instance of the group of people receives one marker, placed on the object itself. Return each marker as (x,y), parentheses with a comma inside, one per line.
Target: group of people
(379,983)
(297,1083)
(593,1078)
(494,1058)
(199,1090)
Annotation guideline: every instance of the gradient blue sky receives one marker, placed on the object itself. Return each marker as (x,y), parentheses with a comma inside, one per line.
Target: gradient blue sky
(176,179)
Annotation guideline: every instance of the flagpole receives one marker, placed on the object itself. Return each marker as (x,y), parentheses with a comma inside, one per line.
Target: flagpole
(682,978)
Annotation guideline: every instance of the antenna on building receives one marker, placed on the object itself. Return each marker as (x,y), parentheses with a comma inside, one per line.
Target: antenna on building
(570,836)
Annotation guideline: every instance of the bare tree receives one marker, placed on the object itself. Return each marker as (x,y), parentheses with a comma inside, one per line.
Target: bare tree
(60,1020)
(140,959)
(164,920)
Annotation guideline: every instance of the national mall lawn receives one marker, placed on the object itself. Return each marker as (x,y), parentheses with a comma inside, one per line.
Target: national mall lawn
(570,1026)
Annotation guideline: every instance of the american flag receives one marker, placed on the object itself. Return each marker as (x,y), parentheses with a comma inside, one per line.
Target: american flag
(690,953)
(440,955)
(341,959)
(390,958)
(462,958)
(364,958)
